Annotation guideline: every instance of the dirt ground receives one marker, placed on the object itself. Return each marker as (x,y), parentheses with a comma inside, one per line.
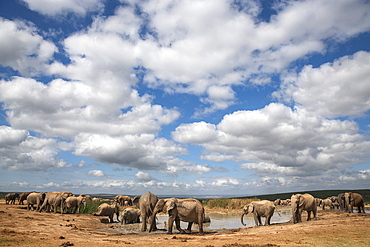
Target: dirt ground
(20,227)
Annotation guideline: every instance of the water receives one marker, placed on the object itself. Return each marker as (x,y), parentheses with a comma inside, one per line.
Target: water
(218,221)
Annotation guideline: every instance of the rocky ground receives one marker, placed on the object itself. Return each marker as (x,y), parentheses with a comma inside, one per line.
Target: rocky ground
(20,227)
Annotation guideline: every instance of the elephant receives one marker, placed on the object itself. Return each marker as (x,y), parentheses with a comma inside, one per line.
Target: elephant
(123,200)
(22,197)
(304,202)
(188,210)
(277,202)
(130,216)
(354,200)
(54,200)
(146,204)
(206,219)
(75,202)
(108,210)
(259,209)
(342,202)
(327,202)
(35,198)
(11,197)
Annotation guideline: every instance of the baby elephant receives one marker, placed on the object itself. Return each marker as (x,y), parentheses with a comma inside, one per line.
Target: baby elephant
(259,209)
(108,210)
(130,216)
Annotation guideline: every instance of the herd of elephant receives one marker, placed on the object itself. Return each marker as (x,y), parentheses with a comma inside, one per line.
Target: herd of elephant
(187,210)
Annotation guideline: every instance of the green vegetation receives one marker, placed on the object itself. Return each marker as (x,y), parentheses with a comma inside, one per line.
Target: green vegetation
(92,207)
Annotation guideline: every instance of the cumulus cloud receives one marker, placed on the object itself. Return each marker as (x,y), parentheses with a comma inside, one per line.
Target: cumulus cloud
(96,173)
(22,49)
(144,176)
(281,140)
(220,46)
(337,89)
(57,7)
(21,152)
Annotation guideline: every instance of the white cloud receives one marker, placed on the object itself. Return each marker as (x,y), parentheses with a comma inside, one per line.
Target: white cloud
(341,88)
(22,49)
(96,173)
(21,152)
(279,139)
(144,176)
(200,132)
(57,7)
(143,151)
(220,46)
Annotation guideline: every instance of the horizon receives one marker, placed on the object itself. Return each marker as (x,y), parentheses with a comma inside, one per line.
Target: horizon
(184,97)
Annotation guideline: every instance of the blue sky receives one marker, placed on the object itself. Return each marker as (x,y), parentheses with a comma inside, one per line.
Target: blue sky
(200,97)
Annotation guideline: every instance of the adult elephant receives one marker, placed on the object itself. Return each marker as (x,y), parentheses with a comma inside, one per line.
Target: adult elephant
(130,216)
(300,203)
(354,200)
(108,210)
(259,209)
(342,202)
(22,197)
(188,210)
(55,199)
(123,200)
(35,198)
(75,202)
(146,204)
(11,197)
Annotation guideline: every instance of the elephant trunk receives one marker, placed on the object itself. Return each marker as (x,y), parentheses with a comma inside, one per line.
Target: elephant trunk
(241,219)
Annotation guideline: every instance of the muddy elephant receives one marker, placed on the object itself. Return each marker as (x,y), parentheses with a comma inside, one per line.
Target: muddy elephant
(22,197)
(123,200)
(259,209)
(35,198)
(11,197)
(108,210)
(55,199)
(130,216)
(146,204)
(75,202)
(300,203)
(354,200)
(188,210)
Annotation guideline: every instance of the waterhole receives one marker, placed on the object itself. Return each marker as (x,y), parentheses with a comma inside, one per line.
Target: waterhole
(218,221)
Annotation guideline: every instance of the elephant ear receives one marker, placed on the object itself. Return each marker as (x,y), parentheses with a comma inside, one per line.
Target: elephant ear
(170,204)
(250,208)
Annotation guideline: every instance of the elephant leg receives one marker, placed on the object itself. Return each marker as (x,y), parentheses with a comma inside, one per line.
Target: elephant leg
(309,215)
(267,222)
(178,227)
(256,221)
(171,219)
(143,223)
(189,226)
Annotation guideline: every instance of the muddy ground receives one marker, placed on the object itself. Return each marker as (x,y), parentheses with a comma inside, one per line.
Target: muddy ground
(20,227)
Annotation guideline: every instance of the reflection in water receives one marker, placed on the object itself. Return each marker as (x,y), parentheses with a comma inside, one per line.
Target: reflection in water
(229,220)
